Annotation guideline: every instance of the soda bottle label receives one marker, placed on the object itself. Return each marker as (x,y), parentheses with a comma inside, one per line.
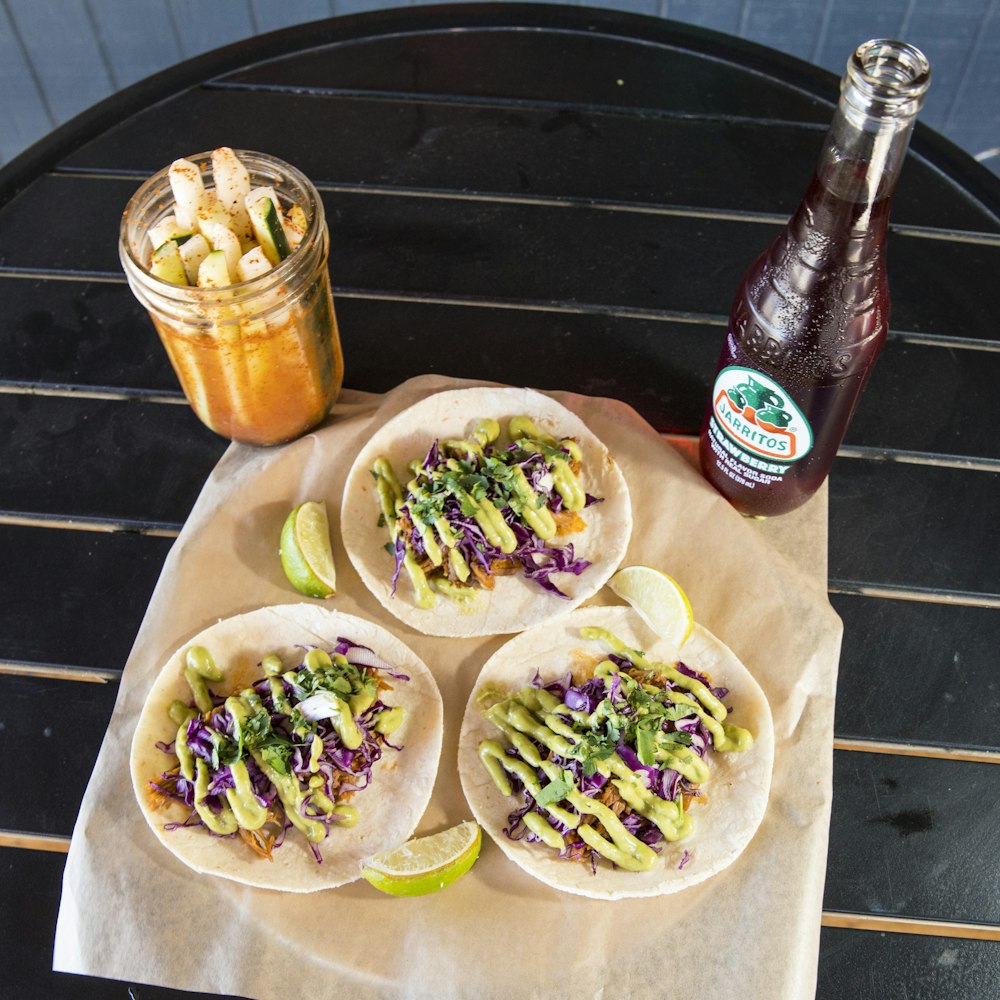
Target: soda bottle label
(757,422)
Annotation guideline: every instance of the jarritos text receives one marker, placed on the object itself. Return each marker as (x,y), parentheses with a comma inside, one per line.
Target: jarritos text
(754,412)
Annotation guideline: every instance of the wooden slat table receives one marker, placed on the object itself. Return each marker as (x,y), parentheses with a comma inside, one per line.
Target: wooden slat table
(584,189)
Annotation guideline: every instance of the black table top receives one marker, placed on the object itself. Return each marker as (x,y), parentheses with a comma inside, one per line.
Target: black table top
(587,186)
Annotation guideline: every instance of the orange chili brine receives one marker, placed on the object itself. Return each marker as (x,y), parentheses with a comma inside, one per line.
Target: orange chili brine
(256,381)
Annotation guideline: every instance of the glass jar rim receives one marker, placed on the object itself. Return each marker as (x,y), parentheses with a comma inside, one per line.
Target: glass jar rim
(235,292)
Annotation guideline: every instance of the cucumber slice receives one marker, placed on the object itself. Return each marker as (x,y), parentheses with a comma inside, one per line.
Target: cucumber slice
(223,238)
(193,252)
(211,213)
(267,226)
(214,272)
(189,192)
(168,229)
(167,265)
(252,264)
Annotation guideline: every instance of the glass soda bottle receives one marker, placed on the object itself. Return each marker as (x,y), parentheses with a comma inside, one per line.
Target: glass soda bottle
(810,317)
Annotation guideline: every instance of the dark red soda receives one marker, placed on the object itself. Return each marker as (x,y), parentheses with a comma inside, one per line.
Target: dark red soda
(810,317)
(807,325)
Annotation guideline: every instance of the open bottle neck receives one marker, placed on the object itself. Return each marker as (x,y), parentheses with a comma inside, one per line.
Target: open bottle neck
(882,91)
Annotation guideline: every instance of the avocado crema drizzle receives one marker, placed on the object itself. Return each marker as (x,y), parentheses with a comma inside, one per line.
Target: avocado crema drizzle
(295,735)
(553,748)
(489,485)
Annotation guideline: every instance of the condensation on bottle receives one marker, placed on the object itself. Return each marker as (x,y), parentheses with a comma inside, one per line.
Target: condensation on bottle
(810,317)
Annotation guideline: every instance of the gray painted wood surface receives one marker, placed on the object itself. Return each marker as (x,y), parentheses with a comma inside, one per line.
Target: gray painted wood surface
(57,57)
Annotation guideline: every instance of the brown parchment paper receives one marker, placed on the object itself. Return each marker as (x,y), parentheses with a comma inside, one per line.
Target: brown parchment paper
(130,910)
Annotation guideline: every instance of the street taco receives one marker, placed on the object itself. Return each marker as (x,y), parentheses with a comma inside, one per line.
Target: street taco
(605,765)
(483,511)
(283,747)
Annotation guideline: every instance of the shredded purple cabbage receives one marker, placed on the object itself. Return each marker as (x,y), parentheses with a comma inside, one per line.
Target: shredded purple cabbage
(664,782)
(536,558)
(343,771)
(719,692)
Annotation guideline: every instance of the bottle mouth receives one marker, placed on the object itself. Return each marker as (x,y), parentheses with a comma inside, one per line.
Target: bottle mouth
(892,75)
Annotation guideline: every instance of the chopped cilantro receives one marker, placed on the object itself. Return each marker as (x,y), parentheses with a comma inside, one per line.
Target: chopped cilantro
(593,747)
(672,712)
(554,791)
(645,746)
(682,739)
(276,756)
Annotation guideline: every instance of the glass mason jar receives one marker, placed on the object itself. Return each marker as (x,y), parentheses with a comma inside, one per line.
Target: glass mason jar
(260,360)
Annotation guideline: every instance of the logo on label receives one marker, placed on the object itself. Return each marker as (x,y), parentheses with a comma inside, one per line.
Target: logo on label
(756,413)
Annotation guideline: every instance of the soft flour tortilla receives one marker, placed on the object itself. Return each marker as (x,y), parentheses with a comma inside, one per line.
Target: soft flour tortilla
(736,790)
(389,808)
(517,603)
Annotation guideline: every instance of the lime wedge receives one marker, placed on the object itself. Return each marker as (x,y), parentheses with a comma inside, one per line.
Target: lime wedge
(306,553)
(426,864)
(658,600)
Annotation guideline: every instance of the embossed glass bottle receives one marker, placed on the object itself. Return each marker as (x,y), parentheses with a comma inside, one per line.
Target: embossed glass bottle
(811,314)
